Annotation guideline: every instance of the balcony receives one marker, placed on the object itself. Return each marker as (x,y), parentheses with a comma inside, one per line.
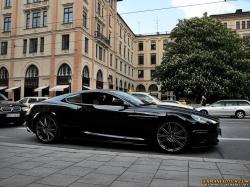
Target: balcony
(36,5)
(102,39)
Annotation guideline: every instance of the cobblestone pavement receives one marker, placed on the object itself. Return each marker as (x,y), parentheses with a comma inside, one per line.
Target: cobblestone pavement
(35,166)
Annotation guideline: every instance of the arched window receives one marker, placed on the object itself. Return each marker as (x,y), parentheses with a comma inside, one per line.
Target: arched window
(85,76)
(153,88)
(64,70)
(120,86)
(32,72)
(110,81)
(132,87)
(129,86)
(125,87)
(31,81)
(4,74)
(99,80)
(140,88)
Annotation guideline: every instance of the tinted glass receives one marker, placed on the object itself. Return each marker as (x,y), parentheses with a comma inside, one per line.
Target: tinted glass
(143,98)
(75,98)
(32,100)
(243,103)
(2,97)
(24,100)
(129,98)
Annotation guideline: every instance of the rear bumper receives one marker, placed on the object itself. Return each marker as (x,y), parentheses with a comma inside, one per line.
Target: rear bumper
(205,137)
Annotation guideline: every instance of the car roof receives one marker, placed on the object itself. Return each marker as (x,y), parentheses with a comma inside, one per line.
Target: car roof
(143,93)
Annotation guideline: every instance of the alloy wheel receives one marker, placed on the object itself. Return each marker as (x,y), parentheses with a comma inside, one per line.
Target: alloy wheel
(240,114)
(46,129)
(172,137)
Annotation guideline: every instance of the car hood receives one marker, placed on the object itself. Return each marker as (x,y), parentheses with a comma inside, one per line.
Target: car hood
(165,109)
(10,103)
(175,104)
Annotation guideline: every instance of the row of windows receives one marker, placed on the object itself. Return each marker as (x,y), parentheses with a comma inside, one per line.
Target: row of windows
(127,54)
(153,45)
(141,74)
(35,22)
(153,60)
(239,25)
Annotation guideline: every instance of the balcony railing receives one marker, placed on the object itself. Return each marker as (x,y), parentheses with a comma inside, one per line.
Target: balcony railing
(101,38)
(35,5)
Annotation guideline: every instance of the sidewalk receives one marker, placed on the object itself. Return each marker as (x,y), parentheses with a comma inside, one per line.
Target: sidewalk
(35,166)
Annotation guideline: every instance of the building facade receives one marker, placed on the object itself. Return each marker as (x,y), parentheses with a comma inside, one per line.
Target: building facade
(50,47)
(238,21)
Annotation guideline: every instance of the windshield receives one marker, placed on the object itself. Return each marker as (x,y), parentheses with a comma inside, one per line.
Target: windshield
(129,98)
(3,98)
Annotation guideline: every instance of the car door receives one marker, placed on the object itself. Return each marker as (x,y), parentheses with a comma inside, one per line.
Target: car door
(230,108)
(217,108)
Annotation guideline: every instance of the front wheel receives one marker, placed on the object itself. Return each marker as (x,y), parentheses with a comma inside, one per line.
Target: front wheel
(240,114)
(172,137)
(47,129)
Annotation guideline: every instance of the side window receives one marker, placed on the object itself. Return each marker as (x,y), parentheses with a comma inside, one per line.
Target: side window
(24,100)
(230,103)
(32,100)
(75,98)
(106,99)
(219,104)
(243,103)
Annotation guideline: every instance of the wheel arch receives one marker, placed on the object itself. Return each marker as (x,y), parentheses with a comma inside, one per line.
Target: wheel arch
(39,114)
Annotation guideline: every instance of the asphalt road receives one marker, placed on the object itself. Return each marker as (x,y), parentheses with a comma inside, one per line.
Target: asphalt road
(234,143)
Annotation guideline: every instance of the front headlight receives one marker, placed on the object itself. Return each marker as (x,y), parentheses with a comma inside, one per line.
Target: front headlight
(202,119)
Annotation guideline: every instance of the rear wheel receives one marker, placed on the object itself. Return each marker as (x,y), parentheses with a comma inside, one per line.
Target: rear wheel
(47,129)
(204,112)
(172,137)
(240,114)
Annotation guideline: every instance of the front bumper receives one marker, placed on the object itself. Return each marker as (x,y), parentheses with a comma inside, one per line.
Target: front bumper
(206,137)
(4,119)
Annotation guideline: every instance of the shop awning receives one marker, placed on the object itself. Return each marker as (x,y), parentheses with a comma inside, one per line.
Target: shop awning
(12,88)
(58,88)
(3,87)
(40,88)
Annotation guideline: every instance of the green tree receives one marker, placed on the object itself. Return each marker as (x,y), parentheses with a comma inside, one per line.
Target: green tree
(205,59)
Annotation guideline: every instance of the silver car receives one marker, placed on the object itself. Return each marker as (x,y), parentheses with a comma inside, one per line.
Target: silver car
(237,108)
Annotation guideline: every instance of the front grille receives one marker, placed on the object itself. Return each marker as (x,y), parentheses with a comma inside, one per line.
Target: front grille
(6,109)
(10,109)
(16,109)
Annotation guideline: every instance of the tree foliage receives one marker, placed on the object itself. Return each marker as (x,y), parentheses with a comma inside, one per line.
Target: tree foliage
(205,59)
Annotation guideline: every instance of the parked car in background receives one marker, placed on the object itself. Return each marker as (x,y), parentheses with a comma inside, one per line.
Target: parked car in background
(29,100)
(11,112)
(237,108)
(118,115)
(149,99)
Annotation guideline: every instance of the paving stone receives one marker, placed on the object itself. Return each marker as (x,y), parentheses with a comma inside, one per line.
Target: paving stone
(30,155)
(111,170)
(143,168)
(136,177)
(121,164)
(43,159)
(195,181)
(26,165)
(70,159)
(40,171)
(227,166)
(172,175)
(175,162)
(165,183)
(98,178)
(41,185)
(89,164)
(18,180)
(58,179)
(235,172)
(124,159)
(58,164)
(204,173)
(202,165)
(15,159)
(237,177)
(128,184)
(173,168)
(8,172)
(100,158)
(76,171)
(77,184)
(148,161)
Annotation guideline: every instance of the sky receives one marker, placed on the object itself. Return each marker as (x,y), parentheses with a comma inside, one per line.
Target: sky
(165,20)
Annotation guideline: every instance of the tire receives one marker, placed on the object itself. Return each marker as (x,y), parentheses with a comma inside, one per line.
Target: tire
(240,114)
(47,129)
(204,112)
(172,137)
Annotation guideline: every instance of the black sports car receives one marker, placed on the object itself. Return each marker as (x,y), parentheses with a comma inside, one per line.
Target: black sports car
(11,112)
(119,115)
